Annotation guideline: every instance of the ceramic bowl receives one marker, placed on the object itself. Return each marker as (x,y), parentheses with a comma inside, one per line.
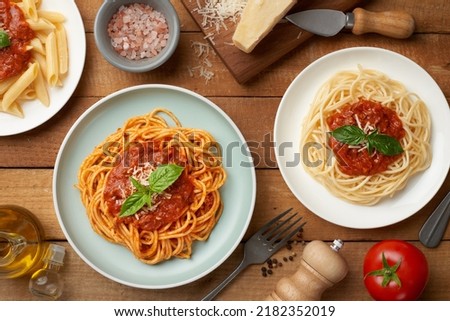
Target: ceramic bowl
(104,44)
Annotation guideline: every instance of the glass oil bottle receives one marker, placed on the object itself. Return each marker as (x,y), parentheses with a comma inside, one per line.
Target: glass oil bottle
(21,241)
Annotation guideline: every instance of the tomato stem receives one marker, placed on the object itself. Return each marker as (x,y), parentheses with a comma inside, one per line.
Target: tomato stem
(387,272)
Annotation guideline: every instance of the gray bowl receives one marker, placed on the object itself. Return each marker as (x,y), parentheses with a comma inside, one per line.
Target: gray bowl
(103,41)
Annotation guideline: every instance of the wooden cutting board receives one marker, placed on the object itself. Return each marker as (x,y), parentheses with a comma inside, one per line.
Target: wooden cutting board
(282,39)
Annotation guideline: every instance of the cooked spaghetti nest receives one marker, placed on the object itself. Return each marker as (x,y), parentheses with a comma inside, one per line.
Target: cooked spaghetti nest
(198,152)
(347,87)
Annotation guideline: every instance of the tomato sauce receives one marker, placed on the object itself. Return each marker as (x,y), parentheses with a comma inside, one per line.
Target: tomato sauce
(358,161)
(170,206)
(14,58)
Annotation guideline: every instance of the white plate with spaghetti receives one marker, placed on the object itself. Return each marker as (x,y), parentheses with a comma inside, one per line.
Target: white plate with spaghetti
(35,113)
(238,194)
(295,105)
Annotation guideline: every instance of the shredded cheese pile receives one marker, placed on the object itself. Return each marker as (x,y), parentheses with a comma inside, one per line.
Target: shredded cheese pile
(215,12)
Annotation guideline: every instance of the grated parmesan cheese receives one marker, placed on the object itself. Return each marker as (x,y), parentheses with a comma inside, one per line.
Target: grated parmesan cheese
(215,12)
(202,51)
(141,173)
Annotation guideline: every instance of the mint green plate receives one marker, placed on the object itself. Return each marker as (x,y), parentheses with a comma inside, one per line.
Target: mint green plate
(238,194)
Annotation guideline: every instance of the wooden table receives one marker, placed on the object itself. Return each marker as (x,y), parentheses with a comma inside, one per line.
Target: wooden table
(27,160)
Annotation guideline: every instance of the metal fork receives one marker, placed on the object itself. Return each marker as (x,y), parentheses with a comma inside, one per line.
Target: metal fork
(263,244)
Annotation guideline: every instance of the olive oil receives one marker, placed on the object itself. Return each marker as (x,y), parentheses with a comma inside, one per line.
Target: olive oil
(21,241)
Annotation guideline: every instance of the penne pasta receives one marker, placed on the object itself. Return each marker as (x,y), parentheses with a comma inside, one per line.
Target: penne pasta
(63,55)
(37,46)
(41,60)
(49,63)
(19,86)
(28,94)
(29,9)
(4,85)
(53,17)
(14,110)
(51,55)
(41,88)
(41,25)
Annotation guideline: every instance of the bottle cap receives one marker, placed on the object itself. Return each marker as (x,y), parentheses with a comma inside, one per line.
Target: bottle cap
(55,253)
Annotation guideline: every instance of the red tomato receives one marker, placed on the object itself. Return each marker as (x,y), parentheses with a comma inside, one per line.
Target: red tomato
(395,270)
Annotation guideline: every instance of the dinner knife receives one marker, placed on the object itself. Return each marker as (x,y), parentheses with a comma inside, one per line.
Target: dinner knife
(327,22)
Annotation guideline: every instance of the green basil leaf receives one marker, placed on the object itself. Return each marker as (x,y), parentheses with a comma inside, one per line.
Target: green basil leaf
(133,204)
(385,144)
(349,134)
(139,187)
(164,176)
(4,39)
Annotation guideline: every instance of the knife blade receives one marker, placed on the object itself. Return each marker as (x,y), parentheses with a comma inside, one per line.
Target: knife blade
(327,22)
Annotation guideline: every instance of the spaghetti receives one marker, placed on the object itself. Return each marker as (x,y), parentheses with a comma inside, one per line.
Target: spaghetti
(185,212)
(340,95)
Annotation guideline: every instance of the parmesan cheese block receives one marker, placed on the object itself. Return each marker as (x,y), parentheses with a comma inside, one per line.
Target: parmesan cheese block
(257,20)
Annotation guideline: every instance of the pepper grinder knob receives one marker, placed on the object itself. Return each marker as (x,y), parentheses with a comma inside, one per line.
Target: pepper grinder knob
(321,267)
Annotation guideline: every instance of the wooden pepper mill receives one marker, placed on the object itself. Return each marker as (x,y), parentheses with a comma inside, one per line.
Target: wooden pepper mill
(320,268)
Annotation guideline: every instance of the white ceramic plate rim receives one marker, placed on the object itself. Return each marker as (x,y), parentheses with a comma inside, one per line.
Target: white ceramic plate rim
(295,105)
(59,166)
(35,112)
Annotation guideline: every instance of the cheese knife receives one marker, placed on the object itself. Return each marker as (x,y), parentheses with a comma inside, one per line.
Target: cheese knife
(327,22)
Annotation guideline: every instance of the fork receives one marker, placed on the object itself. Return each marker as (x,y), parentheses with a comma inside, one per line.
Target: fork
(262,245)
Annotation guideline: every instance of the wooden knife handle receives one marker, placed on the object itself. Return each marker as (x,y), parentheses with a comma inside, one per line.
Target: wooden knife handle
(394,24)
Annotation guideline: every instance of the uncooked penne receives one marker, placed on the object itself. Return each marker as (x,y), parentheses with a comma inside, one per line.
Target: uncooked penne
(19,86)
(51,56)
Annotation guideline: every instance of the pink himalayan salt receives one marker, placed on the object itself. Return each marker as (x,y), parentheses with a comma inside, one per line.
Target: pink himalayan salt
(137,31)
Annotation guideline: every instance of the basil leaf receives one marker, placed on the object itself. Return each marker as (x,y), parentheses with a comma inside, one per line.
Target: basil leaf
(349,134)
(164,176)
(159,180)
(385,144)
(134,203)
(4,39)
(139,187)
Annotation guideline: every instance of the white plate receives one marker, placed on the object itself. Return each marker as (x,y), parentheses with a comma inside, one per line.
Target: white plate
(36,113)
(295,105)
(238,194)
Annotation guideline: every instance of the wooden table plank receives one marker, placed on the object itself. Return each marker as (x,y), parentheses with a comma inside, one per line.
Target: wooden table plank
(273,197)
(27,160)
(22,150)
(81,282)
(423,12)
(273,81)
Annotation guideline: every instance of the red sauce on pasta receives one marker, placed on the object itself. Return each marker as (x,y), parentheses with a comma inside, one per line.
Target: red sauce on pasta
(14,58)
(356,161)
(170,205)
